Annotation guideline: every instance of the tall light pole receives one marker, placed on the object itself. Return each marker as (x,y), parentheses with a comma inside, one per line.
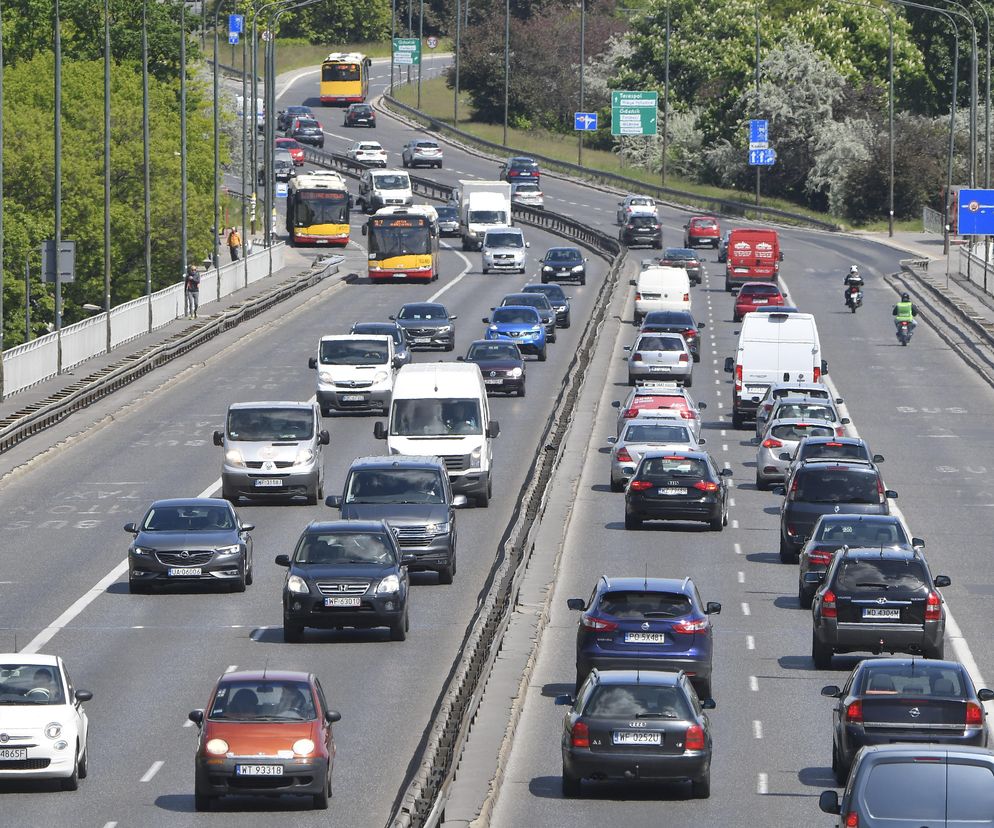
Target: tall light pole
(107,169)
(757,94)
(182,133)
(421,40)
(583,60)
(58,178)
(393,37)
(146,175)
(507,61)
(217,150)
(3,271)
(455,98)
(987,94)
(666,94)
(962,12)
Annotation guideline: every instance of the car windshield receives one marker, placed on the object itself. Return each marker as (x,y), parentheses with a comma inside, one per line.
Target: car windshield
(533,300)
(638,701)
(553,292)
(435,313)
(188,519)
(859,574)
(854,532)
(391,182)
(447,213)
(22,683)
(801,410)
(641,201)
(354,352)
(562,255)
(798,431)
(328,548)
(659,343)
(307,123)
(690,467)
(644,604)
(267,701)
(679,253)
(656,433)
(394,486)
(836,486)
(515,316)
(379,329)
(269,424)
(843,451)
(435,417)
(494,350)
(917,678)
(504,240)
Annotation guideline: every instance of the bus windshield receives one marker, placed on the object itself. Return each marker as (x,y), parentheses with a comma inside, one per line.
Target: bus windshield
(431,417)
(340,72)
(386,240)
(320,208)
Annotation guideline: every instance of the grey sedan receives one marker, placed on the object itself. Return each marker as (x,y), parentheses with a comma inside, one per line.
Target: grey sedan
(647,434)
(657,356)
(401,352)
(805,408)
(780,440)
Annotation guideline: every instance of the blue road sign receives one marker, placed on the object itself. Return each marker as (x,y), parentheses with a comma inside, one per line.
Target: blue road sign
(976,213)
(281,189)
(585,121)
(236,23)
(233,38)
(762,157)
(759,132)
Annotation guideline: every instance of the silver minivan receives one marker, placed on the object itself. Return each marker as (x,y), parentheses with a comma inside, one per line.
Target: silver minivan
(272,450)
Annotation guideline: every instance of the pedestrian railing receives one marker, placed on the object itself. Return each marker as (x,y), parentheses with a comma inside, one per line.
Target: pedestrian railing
(932,221)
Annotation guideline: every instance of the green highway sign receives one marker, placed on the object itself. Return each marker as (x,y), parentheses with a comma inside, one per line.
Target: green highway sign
(407,51)
(634,113)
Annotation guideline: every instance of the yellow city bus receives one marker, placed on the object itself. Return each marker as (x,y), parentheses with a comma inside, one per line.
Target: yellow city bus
(403,244)
(345,78)
(317,209)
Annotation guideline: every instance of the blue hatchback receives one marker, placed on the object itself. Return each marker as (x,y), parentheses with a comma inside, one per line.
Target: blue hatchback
(522,325)
(647,623)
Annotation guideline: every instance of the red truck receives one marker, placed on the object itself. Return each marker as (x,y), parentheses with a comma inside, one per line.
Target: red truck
(753,256)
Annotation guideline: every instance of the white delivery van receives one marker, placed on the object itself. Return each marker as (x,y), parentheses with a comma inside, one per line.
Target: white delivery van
(661,288)
(442,409)
(355,372)
(384,188)
(773,347)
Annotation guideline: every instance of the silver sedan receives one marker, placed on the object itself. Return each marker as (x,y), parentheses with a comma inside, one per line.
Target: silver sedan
(780,441)
(647,434)
(805,407)
(815,390)
(657,356)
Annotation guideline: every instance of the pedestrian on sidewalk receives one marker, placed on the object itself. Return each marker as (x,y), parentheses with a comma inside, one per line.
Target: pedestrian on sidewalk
(192,286)
(234,243)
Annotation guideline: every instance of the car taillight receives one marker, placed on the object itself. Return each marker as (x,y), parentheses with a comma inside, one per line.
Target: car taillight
(793,491)
(640,485)
(686,297)
(828,608)
(933,607)
(852,820)
(695,738)
(636,357)
(690,332)
(684,358)
(688,415)
(816,373)
(974,714)
(854,712)
(706,486)
(738,378)
(772,442)
(840,431)
(592,622)
(580,735)
(691,626)
(623,455)
(630,412)
(638,297)
(822,557)
(881,492)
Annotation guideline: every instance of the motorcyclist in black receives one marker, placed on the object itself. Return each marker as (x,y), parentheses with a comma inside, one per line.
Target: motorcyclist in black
(852,279)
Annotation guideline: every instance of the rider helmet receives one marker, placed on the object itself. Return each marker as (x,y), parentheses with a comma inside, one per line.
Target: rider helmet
(905,297)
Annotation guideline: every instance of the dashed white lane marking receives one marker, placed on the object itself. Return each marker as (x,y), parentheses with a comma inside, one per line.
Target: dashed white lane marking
(741,576)
(757,728)
(731,501)
(724,446)
(723,433)
(746,610)
(762,783)
(754,684)
(230,668)
(110,825)
(735,524)
(738,548)
(152,771)
(750,642)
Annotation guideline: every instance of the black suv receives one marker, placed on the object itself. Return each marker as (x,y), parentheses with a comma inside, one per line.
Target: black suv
(564,263)
(557,298)
(346,573)
(681,322)
(413,495)
(520,168)
(307,131)
(642,230)
(877,600)
(360,114)
(285,116)
(820,487)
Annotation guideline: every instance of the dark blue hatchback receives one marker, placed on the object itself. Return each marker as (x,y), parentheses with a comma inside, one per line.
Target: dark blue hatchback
(646,623)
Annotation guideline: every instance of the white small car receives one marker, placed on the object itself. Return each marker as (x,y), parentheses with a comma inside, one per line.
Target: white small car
(43,727)
(527,193)
(370,153)
(636,205)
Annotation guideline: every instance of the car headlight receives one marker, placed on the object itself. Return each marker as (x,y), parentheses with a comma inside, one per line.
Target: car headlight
(537,329)
(53,730)
(303,747)
(547,268)
(381,376)
(141,550)
(216,747)
(475,457)
(516,372)
(326,376)
(304,456)
(493,327)
(437,528)
(577,268)
(297,585)
(233,457)
(388,585)
(444,329)
(234,549)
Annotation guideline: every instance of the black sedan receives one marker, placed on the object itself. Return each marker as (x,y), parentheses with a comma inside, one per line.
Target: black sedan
(346,573)
(642,230)
(558,300)
(501,363)
(637,725)
(681,322)
(564,263)
(683,257)
(888,700)
(285,116)
(427,325)
(677,485)
(190,540)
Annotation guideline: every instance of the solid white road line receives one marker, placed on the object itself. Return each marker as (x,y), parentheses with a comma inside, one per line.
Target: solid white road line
(152,771)
(459,278)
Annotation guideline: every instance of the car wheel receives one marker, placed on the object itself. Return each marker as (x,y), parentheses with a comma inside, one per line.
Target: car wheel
(631,380)
(701,788)
(398,630)
(761,484)
(229,495)
(446,573)
(736,317)
(703,689)
(486,270)
(569,321)
(688,382)
(542,355)
(71,783)
(839,768)
(521,391)
(249,576)
(545,281)
(321,799)
(553,338)
(312,497)
(936,652)
(632,522)
(583,280)
(696,357)
(805,597)
(84,764)
(788,555)
(728,286)
(293,633)
(137,588)
(821,654)
(571,785)
(450,346)
(239,584)
(483,500)
(201,802)
(617,485)
(716,524)
(737,420)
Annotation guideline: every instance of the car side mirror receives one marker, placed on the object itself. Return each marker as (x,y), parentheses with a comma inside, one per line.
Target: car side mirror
(380,430)
(282,560)
(729,365)
(612,440)
(785,455)
(131,527)
(528,244)
(246,527)
(702,441)
(323,437)
(831,691)
(712,608)
(701,326)
(485,320)
(829,802)
(839,400)
(918,543)
(332,716)
(708,704)
(565,699)
(218,438)
(878,458)
(196,716)
(780,490)
(83,695)
(397,361)
(780,258)
(702,405)
(454,317)
(735,291)
(577,604)
(824,368)
(891,494)
(391,318)
(493,429)
(459,501)
(408,559)
(460,359)
(333,501)
(941,581)
(616,404)
(814,577)
(724,472)
(985,695)
(627,348)
(845,421)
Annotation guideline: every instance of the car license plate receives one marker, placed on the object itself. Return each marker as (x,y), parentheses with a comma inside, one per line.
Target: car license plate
(673,491)
(13,753)
(495,381)
(659,368)
(755,389)
(343,601)
(760,301)
(420,340)
(644,638)
(636,737)
(268,482)
(881,612)
(352,398)
(180,571)
(258,770)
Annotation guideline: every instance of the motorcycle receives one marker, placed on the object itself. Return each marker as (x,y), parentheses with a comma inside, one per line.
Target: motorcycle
(904,331)
(854,298)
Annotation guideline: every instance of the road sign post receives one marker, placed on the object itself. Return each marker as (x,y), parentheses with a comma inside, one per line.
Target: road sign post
(975,216)
(634,113)
(762,157)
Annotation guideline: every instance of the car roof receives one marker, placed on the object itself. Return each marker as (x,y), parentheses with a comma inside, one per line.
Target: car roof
(846,441)
(346,526)
(432,305)
(672,251)
(793,399)
(266,675)
(873,754)
(860,518)
(911,663)
(879,553)
(803,421)
(853,463)
(517,307)
(189,501)
(376,325)
(665,678)
(682,453)
(522,159)
(396,461)
(683,585)
(288,404)
(39,659)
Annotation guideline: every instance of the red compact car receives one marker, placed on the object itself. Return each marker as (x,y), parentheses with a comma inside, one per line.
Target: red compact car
(265,732)
(756,295)
(294,148)
(702,231)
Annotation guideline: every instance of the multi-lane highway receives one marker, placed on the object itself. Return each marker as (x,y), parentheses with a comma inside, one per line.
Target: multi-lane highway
(150,659)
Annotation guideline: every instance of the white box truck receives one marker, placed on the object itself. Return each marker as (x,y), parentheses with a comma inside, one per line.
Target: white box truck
(482,205)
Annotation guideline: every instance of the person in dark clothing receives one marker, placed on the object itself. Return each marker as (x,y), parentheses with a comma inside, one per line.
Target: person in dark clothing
(192,286)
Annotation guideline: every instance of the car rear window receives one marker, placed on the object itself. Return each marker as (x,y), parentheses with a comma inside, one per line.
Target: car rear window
(812,410)
(873,575)
(861,532)
(638,700)
(798,431)
(653,433)
(970,794)
(644,604)
(673,401)
(907,791)
(836,485)
(817,393)
(689,467)
(642,221)
(427,145)
(919,679)
(307,123)
(844,451)
(759,290)
(704,224)
(659,343)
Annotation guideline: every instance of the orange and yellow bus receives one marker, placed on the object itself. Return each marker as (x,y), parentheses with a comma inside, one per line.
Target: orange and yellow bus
(403,244)
(345,78)
(317,209)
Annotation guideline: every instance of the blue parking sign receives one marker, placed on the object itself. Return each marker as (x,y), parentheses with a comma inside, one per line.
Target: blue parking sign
(759,131)
(233,38)
(236,24)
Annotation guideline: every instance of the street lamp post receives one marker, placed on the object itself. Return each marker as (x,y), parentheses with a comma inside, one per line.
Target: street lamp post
(758,168)
(3,271)
(217,152)
(583,60)
(507,60)
(146,174)
(58,182)
(182,134)
(421,40)
(666,94)
(455,99)
(107,168)
(987,94)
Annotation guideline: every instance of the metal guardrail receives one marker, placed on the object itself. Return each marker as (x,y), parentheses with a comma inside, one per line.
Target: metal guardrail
(931,221)
(708,204)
